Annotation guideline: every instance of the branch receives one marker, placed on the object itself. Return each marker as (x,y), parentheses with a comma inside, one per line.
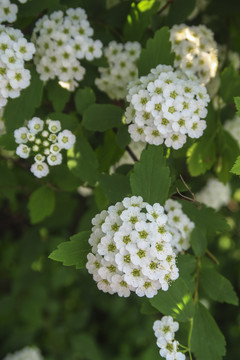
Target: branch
(131,153)
(168,3)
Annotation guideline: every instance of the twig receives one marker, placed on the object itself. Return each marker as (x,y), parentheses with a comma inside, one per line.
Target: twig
(212,257)
(168,3)
(131,153)
(196,281)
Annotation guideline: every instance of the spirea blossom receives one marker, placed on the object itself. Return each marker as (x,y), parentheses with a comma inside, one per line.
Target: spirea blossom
(61,42)
(179,226)
(121,68)
(196,51)
(14,51)
(45,141)
(164,331)
(27,353)
(8,10)
(132,247)
(233,127)
(215,194)
(165,107)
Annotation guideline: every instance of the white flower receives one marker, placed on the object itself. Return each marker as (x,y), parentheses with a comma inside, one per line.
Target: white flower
(196,51)
(215,194)
(39,169)
(35,125)
(165,107)
(13,76)
(124,239)
(21,135)
(23,151)
(61,41)
(66,139)
(54,159)
(121,69)
(54,126)
(27,353)
(164,331)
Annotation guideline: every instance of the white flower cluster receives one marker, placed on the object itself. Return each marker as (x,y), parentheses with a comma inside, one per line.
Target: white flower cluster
(179,226)
(131,249)
(233,127)
(8,11)
(122,68)
(27,353)
(196,51)
(215,194)
(43,139)
(14,51)
(61,41)
(166,106)
(164,331)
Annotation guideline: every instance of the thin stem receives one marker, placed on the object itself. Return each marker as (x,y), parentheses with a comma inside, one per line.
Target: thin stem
(189,338)
(131,153)
(196,282)
(168,3)
(212,257)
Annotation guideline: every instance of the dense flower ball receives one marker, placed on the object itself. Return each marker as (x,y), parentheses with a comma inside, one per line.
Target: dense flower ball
(164,331)
(14,51)
(179,226)
(27,353)
(215,194)
(121,70)
(61,41)
(233,127)
(196,51)
(44,140)
(131,249)
(166,106)
(8,10)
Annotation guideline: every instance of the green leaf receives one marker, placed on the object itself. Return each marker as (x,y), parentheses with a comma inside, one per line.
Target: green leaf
(65,179)
(109,153)
(236,167)
(57,95)
(205,218)
(230,84)
(41,204)
(228,152)
(7,141)
(217,287)
(67,121)
(198,241)
(8,182)
(201,156)
(73,252)
(179,11)
(115,186)
(176,301)
(123,137)
(23,108)
(82,161)
(83,99)
(187,267)
(99,117)
(151,177)
(138,19)
(154,54)
(207,341)
(237,103)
